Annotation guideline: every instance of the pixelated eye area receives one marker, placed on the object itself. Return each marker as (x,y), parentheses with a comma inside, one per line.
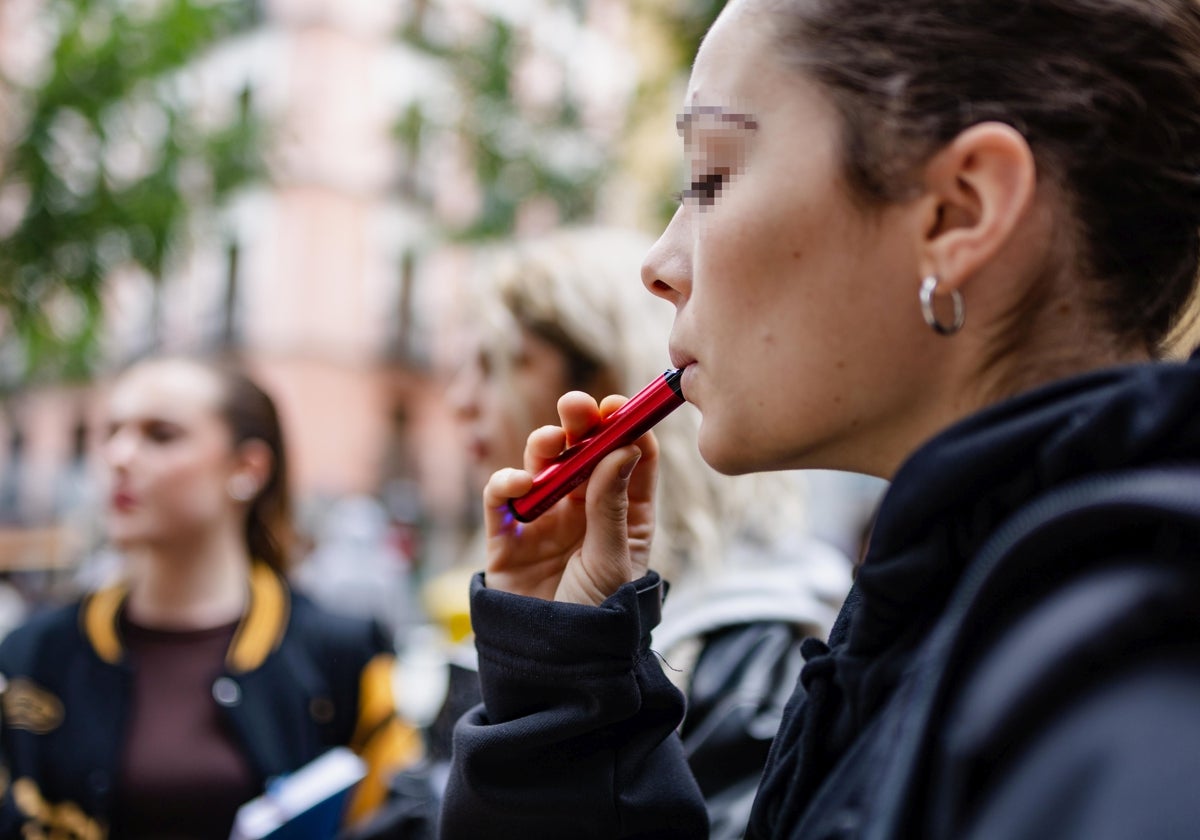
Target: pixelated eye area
(716,113)
(704,190)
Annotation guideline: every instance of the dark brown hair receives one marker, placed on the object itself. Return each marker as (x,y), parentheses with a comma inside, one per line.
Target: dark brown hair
(1106,92)
(251,415)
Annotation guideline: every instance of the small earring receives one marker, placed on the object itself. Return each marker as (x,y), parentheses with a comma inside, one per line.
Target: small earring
(242,487)
(928,289)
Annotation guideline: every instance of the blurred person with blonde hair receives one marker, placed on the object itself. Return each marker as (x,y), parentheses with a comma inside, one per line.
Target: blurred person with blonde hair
(559,312)
(156,706)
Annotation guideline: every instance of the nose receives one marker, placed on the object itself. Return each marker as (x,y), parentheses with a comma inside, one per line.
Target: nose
(667,268)
(118,449)
(462,392)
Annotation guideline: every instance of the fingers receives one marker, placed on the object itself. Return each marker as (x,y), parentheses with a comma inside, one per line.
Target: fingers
(608,507)
(543,446)
(580,414)
(502,486)
(603,564)
(642,482)
(599,541)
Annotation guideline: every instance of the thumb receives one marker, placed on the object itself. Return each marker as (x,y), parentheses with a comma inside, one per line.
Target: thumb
(605,563)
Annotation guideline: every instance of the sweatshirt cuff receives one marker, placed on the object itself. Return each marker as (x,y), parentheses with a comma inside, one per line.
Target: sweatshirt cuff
(511,628)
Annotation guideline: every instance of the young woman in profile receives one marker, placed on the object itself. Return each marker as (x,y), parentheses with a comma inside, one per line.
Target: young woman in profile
(942,243)
(155,707)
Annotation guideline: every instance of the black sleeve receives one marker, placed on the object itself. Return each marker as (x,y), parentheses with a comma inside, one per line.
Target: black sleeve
(11,818)
(1122,761)
(576,734)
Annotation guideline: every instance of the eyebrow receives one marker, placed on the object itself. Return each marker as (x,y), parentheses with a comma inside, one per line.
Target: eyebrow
(684,121)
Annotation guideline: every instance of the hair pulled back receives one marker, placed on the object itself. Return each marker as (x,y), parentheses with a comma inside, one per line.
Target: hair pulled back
(251,415)
(1106,92)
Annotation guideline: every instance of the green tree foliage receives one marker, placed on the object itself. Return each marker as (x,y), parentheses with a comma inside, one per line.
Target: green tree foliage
(104,160)
(509,147)
(684,23)
(517,156)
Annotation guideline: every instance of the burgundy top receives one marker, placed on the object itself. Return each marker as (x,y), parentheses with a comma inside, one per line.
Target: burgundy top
(182,772)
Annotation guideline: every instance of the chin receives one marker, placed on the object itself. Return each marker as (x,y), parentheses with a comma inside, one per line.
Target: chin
(123,543)
(727,459)
(738,454)
(126,538)
(480,473)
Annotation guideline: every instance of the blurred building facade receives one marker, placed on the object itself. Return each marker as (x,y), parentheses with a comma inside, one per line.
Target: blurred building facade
(333,278)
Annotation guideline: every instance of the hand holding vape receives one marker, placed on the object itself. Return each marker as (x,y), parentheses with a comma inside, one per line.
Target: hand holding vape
(621,428)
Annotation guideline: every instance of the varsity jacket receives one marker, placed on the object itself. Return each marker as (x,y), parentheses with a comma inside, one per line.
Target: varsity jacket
(296,682)
(1070,711)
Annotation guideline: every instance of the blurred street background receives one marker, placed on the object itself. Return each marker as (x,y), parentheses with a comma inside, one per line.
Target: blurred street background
(298,183)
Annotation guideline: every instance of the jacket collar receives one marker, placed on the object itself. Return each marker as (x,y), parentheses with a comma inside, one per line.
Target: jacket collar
(948,498)
(953,492)
(258,633)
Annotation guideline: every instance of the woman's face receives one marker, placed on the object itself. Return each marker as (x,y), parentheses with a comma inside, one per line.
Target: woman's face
(169,455)
(796,309)
(500,401)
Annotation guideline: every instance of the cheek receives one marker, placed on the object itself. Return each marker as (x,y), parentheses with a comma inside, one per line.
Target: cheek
(779,296)
(489,403)
(789,262)
(533,400)
(191,488)
(541,401)
(497,415)
(509,417)
(746,290)
(500,433)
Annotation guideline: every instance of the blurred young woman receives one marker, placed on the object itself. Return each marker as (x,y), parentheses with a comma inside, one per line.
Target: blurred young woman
(156,707)
(941,243)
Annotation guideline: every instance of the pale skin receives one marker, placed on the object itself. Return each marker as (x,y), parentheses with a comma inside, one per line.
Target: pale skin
(174,474)
(796,310)
(498,410)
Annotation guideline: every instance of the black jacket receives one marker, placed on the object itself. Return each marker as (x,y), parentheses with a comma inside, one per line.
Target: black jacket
(1073,715)
(297,681)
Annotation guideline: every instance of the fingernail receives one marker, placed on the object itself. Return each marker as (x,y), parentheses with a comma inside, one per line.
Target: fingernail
(627,467)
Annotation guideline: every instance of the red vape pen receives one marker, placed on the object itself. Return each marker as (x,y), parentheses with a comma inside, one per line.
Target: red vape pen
(622,427)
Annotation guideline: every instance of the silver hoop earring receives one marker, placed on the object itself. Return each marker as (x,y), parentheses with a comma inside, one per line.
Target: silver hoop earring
(928,289)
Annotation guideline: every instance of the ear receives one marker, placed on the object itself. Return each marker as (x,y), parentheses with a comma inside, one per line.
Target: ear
(254,459)
(978,188)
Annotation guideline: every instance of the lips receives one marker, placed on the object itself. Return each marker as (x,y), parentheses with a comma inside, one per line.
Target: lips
(680,359)
(123,501)
(478,449)
(684,362)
